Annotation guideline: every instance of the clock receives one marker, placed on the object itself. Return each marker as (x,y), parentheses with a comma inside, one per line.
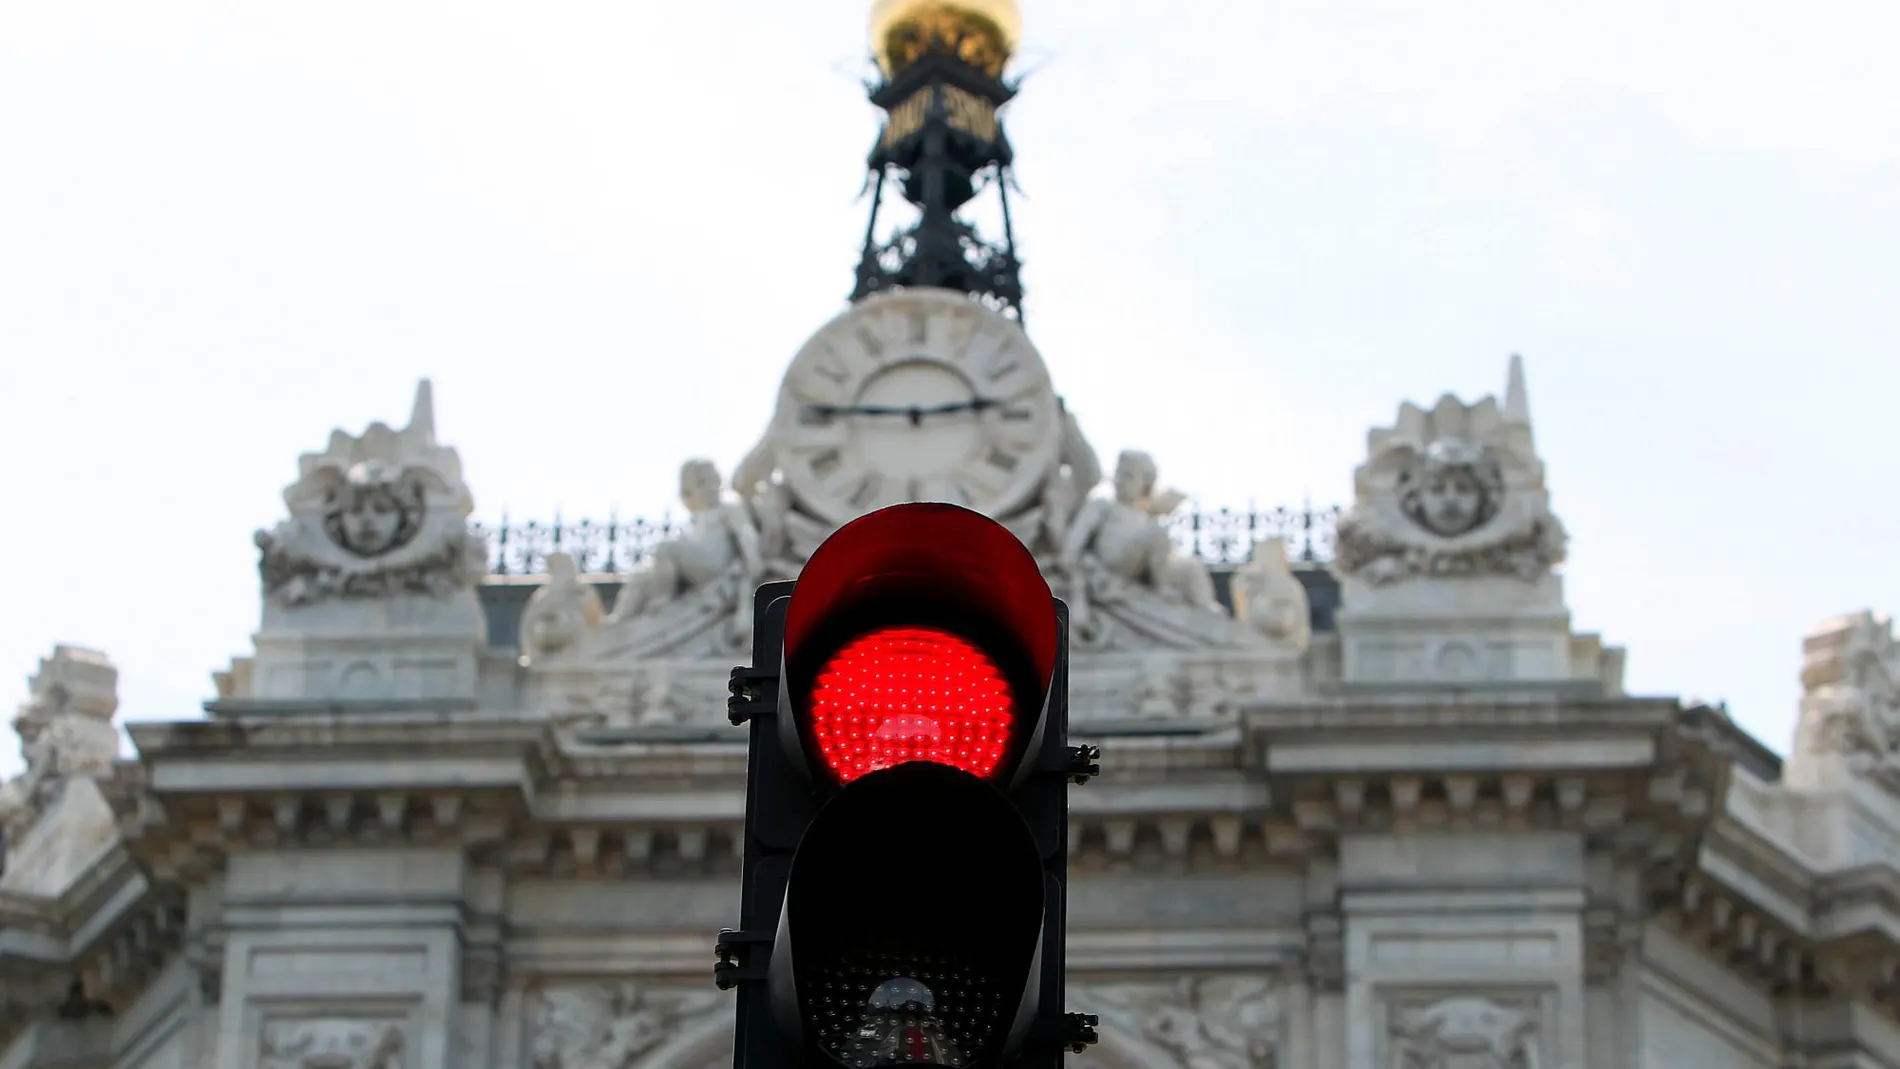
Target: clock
(916,395)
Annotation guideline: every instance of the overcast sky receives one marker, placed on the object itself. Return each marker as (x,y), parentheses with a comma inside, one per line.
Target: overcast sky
(1251,230)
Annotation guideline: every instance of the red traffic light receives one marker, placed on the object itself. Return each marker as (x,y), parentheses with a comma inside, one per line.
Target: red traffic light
(920,632)
(910,694)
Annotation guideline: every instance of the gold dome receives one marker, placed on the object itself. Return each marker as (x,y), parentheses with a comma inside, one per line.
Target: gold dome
(982,32)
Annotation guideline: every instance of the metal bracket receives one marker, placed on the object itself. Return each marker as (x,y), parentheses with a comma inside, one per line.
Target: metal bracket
(727,971)
(1084,764)
(1081,1029)
(754,693)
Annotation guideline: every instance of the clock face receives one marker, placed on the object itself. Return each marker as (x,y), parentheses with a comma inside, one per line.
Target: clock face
(916,395)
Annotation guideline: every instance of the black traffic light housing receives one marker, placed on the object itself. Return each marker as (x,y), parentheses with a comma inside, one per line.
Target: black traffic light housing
(916,898)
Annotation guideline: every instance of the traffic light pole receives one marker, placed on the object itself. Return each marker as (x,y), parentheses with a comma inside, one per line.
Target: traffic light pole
(771,839)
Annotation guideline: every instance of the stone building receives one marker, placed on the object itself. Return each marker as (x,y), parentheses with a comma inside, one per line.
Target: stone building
(1368,801)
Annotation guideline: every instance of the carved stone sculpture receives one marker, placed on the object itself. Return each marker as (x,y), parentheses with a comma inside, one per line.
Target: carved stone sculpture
(1466,1033)
(65,730)
(559,613)
(695,593)
(332,1043)
(1453,492)
(623,1026)
(1850,703)
(375,516)
(1125,582)
(1123,537)
(1210,1022)
(1271,598)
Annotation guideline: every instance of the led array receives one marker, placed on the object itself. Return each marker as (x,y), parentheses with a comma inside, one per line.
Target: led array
(911,694)
(956,1021)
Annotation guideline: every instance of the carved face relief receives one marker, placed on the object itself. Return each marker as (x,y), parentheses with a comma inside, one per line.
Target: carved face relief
(374,512)
(1453,489)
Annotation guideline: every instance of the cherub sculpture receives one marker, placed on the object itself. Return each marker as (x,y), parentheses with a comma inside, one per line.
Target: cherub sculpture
(1122,538)
(721,542)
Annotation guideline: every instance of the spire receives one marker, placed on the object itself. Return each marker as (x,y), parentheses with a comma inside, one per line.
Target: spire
(422,413)
(941,146)
(1517,403)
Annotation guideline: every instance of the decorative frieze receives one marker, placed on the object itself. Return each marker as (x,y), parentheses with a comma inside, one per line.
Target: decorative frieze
(332,1043)
(1465,1032)
(1193,1022)
(630,1026)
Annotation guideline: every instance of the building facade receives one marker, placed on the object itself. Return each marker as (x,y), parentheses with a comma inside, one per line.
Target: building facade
(1368,801)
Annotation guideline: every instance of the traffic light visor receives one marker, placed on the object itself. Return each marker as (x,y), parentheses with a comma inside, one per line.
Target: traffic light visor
(920,632)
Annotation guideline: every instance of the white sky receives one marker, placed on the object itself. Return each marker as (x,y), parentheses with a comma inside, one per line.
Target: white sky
(1251,231)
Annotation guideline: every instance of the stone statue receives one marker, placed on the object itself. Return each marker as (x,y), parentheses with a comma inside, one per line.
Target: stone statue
(560,612)
(65,730)
(1121,538)
(1850,703)
(375,517)
(721,543)
(1454,492)
(1271,598)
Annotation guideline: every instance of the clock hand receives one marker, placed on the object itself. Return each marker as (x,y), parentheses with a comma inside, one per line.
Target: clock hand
(915,413)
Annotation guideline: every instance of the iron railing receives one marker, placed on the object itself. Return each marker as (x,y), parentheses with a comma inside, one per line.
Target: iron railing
(1217,536)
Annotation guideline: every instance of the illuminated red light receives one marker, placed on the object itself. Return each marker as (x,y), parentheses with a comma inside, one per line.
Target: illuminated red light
(903,694)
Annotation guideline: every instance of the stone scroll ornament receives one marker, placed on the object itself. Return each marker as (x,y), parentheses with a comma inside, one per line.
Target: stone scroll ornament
(1453,492)
(375,516)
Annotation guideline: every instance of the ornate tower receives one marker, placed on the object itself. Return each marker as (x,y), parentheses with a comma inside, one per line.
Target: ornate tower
(942,144)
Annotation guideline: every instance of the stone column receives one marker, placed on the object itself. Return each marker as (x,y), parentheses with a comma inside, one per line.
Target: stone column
(350,957)
(1464,950)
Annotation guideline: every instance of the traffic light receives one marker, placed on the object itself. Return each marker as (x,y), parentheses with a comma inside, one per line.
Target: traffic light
(906,829)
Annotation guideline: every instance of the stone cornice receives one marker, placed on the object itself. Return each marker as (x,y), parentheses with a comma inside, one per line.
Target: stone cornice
(1645,781)
(1756,900)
